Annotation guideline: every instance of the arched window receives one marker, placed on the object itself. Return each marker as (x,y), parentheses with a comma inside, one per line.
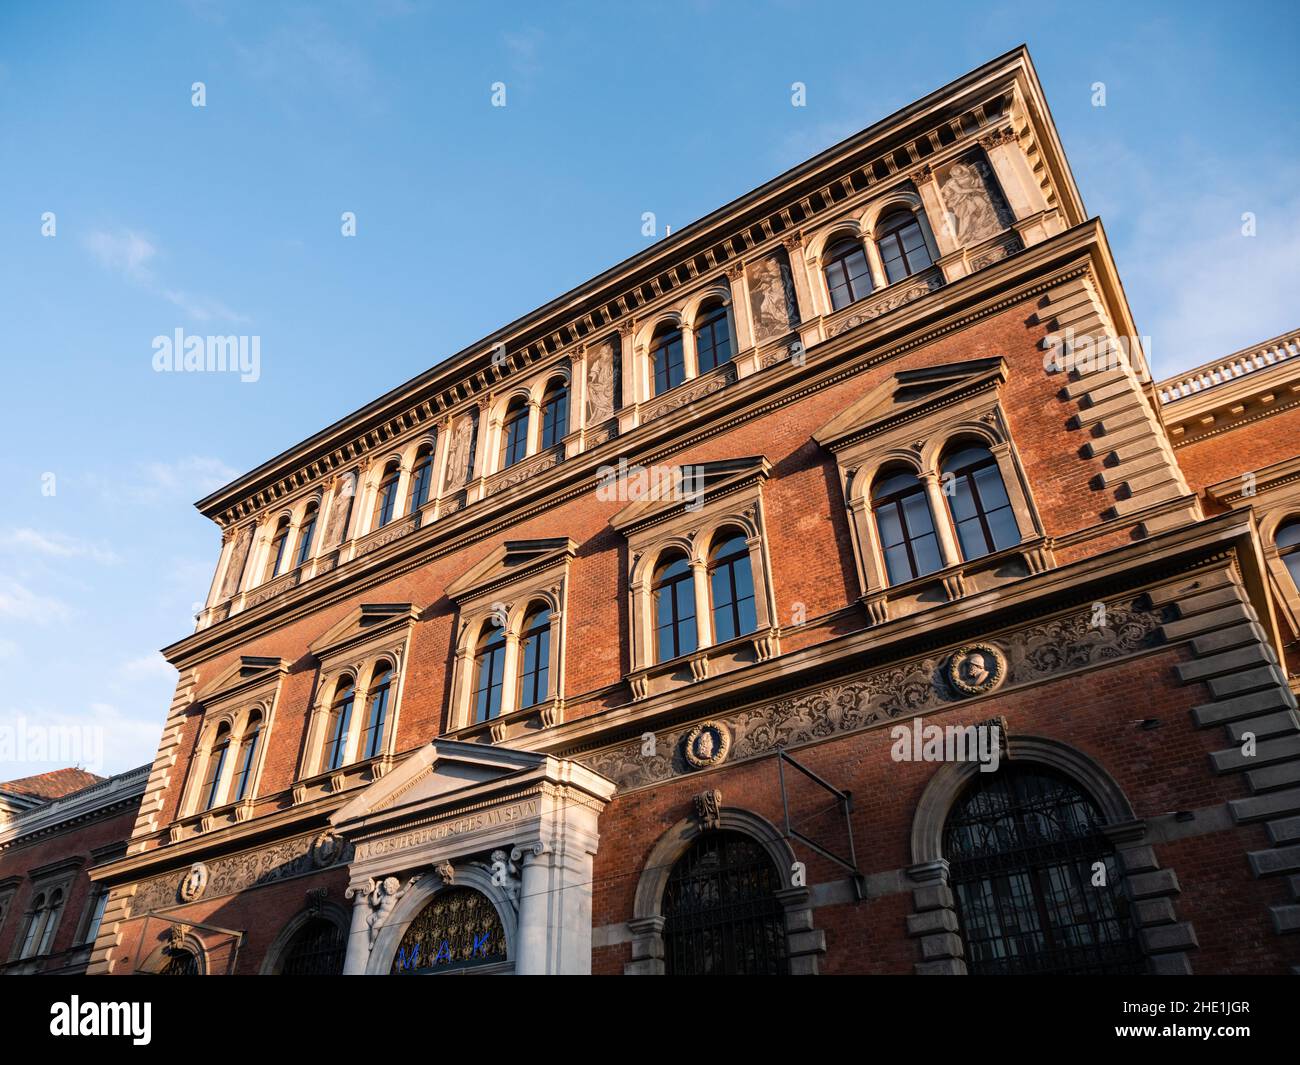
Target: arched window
(1022,844)
(275,557)
(535,657)
(247,756)
(903,250)
(421,478)
(459,928)
(489,671)
(712,338)
(386,496)
(555,413)
(666,357)
(96,916)
(721,913)
(216,763)
(338,722)
(372,740)
(673,594)
(514,433)
(50,921)
(848,277)
(35,924)
(731,582)
(179,962)
(1288,547)
(307,533)
(977,501)
(316,949)
(904,525)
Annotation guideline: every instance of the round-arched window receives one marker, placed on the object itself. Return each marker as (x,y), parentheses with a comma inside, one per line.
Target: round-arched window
(1037,885)
(317,949)
(458,929)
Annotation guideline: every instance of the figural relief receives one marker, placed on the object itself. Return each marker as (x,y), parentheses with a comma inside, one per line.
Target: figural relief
(458,455)
(600,383)
(975,207)
(771,294)
(337,526)
(238,556)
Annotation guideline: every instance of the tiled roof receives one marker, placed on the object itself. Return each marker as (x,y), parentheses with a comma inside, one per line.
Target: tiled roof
(52,785)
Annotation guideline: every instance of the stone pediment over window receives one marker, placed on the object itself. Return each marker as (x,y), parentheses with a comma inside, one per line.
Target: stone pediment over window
(910,394)
(246,675)
(513,561)
(664,492)
(364,624)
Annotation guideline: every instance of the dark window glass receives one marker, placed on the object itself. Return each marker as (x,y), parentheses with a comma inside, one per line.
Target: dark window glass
(712,339)
(902,245)
(1022,844)
(514,435)
(372,740)
(489,670)
(216,762)
(421,477)
(340,719)
(306,534)
(387,496)
(535,651)
(96,917)
(179,962)
(34,924)
(669,362)
(731,581)
(848,277)
(275,558)
(317,949)
(555,415)
(673,593)
(905,527)
(247,757)
(977,500)
(721,913)
(1288,547)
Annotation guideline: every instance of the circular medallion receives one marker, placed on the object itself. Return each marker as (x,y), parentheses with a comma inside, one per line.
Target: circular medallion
(325,849)
(707,744)
(976,669)
(195,882)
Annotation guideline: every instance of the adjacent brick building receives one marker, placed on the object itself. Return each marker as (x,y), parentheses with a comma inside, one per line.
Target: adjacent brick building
(828,588)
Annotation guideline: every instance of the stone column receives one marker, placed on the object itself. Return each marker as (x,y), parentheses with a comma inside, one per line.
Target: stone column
(555,893)
(703,615)
(358,945)
(740,308)
(939,515)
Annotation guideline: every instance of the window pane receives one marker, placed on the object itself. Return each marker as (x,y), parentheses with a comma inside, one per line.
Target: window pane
(897,564)
(889,525)
(926,551)
(1002,523)
(917,512)
(993,492)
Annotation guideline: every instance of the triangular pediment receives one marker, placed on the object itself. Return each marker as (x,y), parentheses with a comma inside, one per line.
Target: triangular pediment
(362,623)
(510,561)
(246,672)
(908,394)
(435,771)
(664,489)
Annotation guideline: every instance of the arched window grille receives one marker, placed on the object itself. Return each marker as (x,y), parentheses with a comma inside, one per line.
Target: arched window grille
(712,339)
(489,672)
(731,582)
(372,739)
(179,962)
(904,525)
(1023,846)
(903,250)
(535,657)
(338,723)
(848,277)
(977,500)
(317,949)
(673,595)
(667,358)
(721,913)
(555,414)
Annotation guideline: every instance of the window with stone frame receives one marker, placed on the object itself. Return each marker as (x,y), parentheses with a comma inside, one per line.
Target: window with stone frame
(934,487)
(46,906)
(236,711)
(508,673)
(699,586)
(353,721)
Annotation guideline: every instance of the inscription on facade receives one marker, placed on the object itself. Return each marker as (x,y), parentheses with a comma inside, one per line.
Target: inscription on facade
(501,815)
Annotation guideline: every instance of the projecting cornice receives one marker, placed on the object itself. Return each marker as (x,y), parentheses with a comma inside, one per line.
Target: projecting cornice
(1002,98)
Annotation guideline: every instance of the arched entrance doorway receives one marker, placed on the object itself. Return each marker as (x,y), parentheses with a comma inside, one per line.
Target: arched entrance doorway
(458,929)
(1036,881)
(316,949)
(721,912)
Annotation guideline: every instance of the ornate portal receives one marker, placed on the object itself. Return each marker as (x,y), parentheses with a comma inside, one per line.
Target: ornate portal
(459,928)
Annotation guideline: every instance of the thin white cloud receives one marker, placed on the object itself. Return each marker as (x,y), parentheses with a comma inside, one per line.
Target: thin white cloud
(130,255)
(184,479)
(152,665)
(55,545)
(20,603)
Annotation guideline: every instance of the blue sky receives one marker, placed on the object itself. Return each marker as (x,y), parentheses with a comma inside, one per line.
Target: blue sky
(226,219)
